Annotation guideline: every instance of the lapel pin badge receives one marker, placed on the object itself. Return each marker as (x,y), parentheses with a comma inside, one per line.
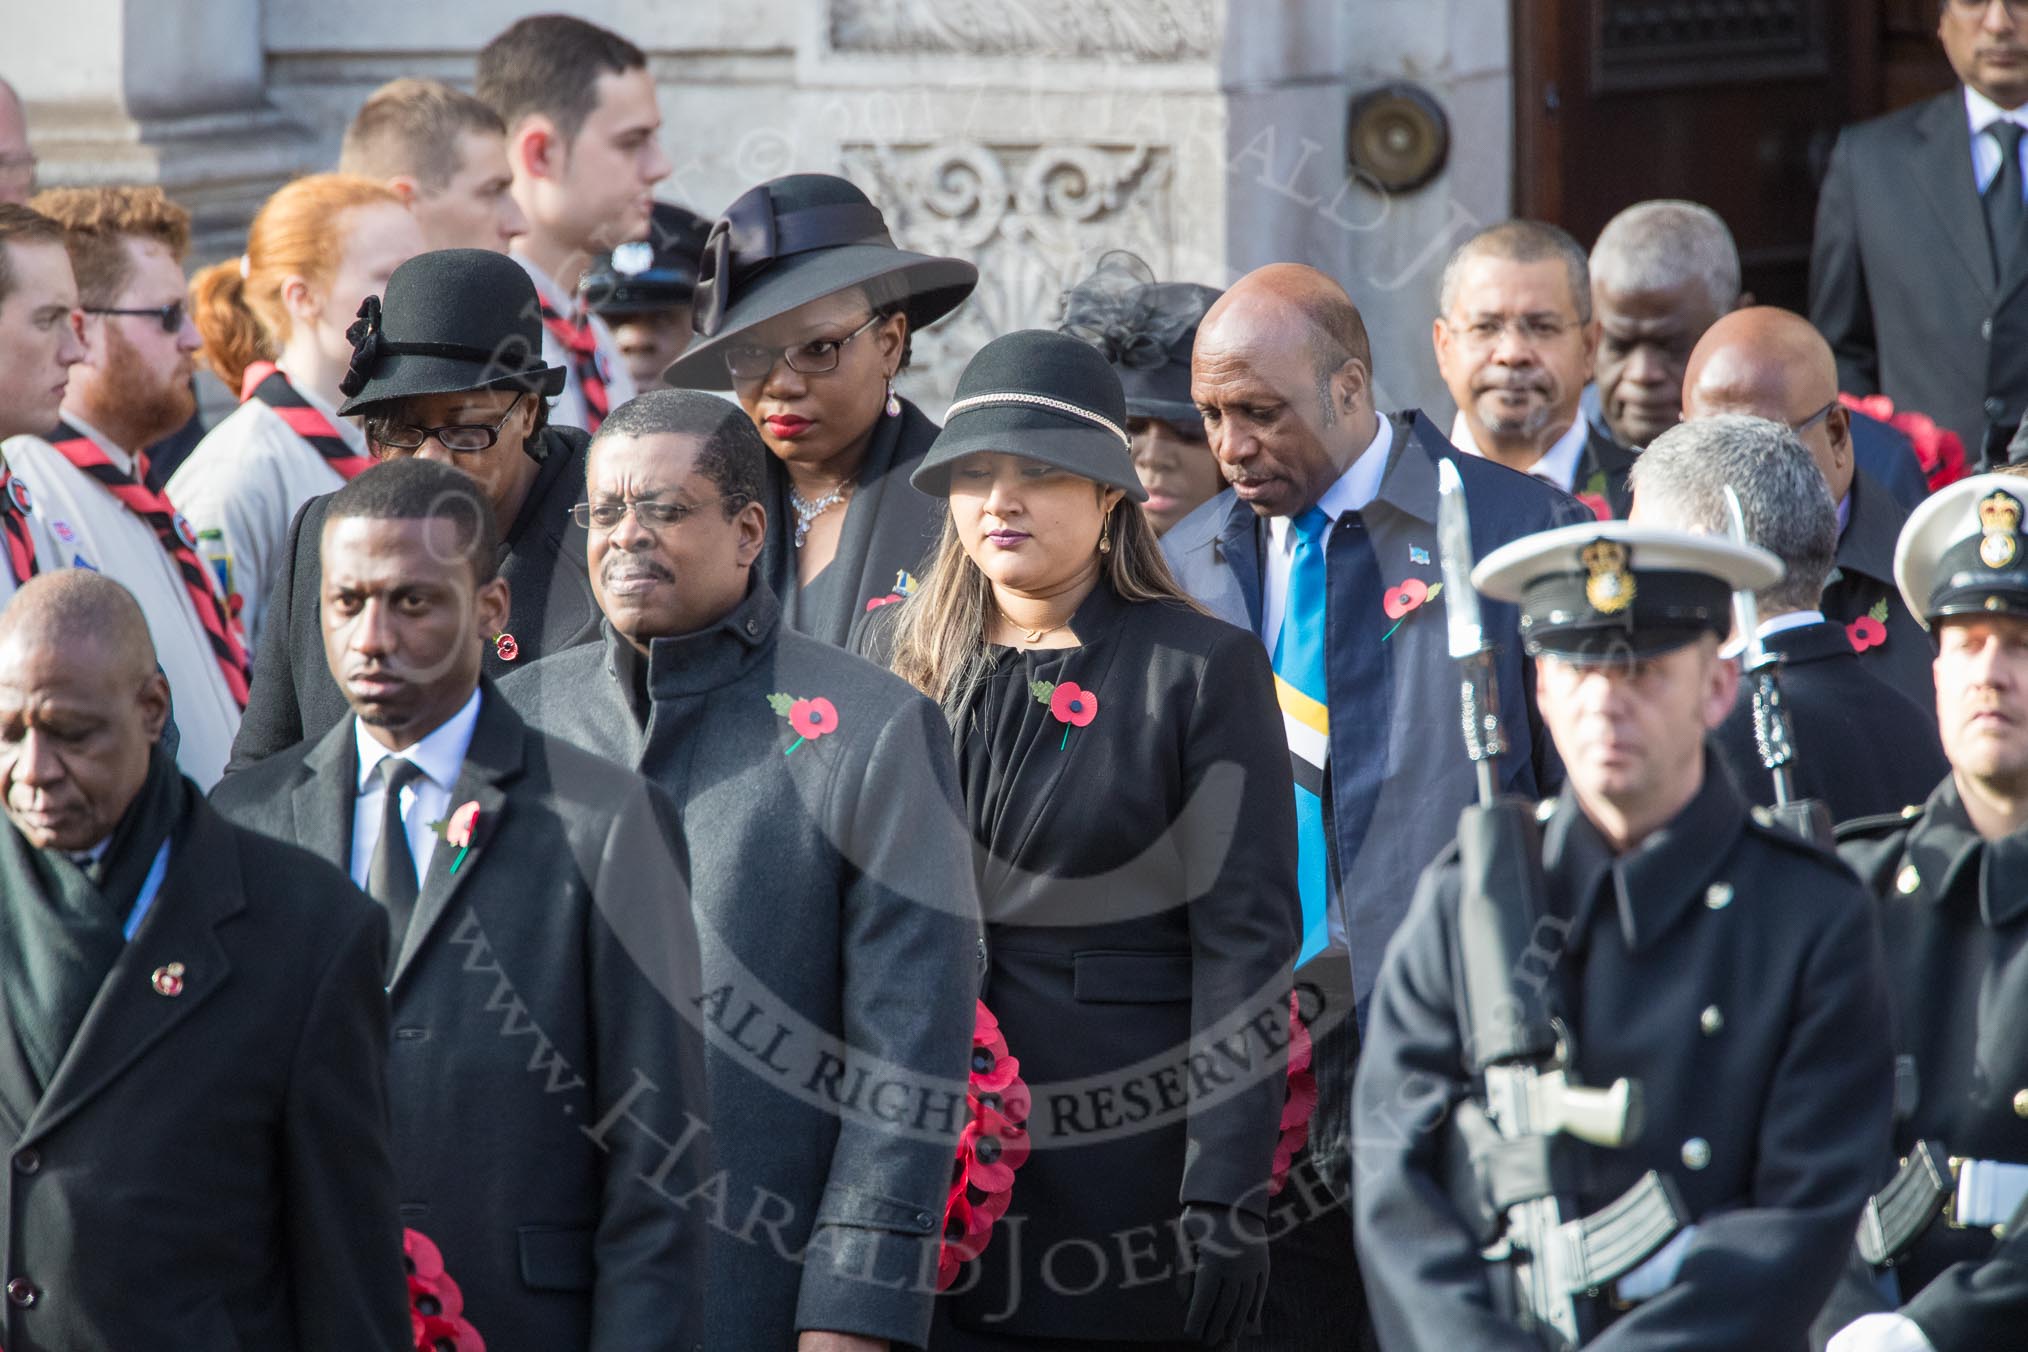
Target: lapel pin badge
(1417,554)
(168,979)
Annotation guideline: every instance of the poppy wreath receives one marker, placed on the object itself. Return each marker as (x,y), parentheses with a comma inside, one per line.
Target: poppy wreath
(1300,1102)
(436,1308)
(1941,451)
(990,1148)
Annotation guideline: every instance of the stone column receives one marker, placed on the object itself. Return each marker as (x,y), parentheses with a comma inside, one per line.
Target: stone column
(156,91)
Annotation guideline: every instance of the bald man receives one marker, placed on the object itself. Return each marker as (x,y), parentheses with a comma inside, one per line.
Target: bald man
(17,162)
(1325,546)
(1772,364)
(192,1031)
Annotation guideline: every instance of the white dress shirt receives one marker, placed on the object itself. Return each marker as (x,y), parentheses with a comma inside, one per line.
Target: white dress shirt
(1353,490)
(1981,113)
(568,408)
(92,527)
(245,480)
(1558,464)
(1774,624)
(1880,1333)
(426,799)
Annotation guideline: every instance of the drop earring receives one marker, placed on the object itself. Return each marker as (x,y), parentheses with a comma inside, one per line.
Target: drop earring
(893,401)
(1106,535)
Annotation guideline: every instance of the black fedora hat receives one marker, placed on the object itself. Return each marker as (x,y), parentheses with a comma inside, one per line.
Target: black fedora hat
(1046,396)
(656,273)
(452,319)
(794,240)
(1145,328)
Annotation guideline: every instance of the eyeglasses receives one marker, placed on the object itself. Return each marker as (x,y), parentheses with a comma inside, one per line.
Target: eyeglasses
(750,361)
(1532,330)
(458,438)
(1806,424)
(2016,9)
(169,316)
(653,514)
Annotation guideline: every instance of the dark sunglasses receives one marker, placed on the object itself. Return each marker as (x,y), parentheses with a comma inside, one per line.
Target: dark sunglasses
(169,316)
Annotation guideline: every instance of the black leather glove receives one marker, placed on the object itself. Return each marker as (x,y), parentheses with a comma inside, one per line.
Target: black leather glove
(1229,1249)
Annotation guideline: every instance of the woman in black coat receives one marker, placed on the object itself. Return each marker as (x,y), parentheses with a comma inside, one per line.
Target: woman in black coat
(1128,783)
(804,310)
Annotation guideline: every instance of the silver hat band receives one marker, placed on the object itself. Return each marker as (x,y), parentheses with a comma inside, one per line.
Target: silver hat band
(1040,401)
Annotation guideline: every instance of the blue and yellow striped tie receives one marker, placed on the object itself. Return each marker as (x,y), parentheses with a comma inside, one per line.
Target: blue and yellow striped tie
(1301,686)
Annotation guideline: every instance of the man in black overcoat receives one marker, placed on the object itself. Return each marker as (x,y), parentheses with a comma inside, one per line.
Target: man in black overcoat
(1683,941)
(1950,879)
(447,367)
(547,1092)
(193,1038)
(1861,747)
(831,881)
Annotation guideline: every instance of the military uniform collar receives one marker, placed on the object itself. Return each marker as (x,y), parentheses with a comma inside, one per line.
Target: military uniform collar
(700,661)
(1944,844)
(1657,880)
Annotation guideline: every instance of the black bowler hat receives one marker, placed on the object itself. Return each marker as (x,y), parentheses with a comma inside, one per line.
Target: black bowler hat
(1610,590)
(452,320)
(656,273)
(1046,396)
(1146,329)
(789,242)
(1964,550)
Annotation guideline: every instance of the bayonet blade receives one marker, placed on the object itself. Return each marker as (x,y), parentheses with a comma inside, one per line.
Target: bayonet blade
(1454,549)
(1745,610)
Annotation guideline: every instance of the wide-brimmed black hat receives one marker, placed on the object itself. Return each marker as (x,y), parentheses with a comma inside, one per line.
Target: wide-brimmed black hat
(656,273)
(1145,328)
(1046,396)
(452,319)
(789,242)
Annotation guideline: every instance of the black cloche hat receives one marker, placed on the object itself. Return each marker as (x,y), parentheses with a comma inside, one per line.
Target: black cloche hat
(656,273)
(1046,396)
(452,320)
(794,240)
(1146,329)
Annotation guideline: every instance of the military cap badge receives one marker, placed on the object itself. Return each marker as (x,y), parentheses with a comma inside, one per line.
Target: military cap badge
(1610,586)
(2000,521)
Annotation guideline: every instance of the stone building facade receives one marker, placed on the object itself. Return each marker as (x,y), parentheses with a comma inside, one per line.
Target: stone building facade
(1207,136)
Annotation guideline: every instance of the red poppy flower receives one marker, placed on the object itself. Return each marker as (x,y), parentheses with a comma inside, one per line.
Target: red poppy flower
(812,718)
(1073,704)
(1600,508)
(994,1157)
(1403,597)
(992,1072)
(1865,632)
(505,646)
(424,1258)
(1940,450)
(1300,1103)
(463,822)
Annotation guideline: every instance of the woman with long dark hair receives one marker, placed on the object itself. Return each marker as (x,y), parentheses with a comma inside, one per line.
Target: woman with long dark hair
(804,310)
(1129,788)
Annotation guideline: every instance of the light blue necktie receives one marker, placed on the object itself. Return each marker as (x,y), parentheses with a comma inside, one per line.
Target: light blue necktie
(1303,692)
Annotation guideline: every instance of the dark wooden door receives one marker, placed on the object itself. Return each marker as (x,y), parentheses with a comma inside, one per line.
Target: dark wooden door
(1732,103)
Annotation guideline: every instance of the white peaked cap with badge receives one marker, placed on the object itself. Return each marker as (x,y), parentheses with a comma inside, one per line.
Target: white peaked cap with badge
(1612,589)
(1962,551)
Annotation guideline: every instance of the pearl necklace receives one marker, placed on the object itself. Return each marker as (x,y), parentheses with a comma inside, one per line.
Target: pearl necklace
(807,511)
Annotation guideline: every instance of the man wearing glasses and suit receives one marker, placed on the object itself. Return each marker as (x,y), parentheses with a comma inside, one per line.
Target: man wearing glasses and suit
(447,367)
(1919,286)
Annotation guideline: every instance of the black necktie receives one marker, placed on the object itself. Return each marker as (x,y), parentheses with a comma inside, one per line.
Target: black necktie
(390,878)
(2004,212)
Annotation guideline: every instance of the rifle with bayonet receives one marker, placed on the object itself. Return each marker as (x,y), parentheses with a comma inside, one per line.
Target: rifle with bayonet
(1501,1148)
(1772,734)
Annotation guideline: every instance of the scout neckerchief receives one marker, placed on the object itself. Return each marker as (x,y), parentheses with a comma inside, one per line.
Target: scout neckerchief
(14,505)
(220,627)
(266,382)
(582,345)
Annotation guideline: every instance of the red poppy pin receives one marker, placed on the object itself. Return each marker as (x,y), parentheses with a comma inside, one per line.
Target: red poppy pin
(436,1307)
(457,830)
(811,718)
(1403,599)
(1073,705)
(168,979)
(993,1144)
(1870,629)
(505,648)
(1593,496)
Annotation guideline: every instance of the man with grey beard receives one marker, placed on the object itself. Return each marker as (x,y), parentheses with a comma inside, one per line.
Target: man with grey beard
(1515,342)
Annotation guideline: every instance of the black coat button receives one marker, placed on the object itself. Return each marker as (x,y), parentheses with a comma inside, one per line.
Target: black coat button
(23,1292)
(1986,328)
(27,1161)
